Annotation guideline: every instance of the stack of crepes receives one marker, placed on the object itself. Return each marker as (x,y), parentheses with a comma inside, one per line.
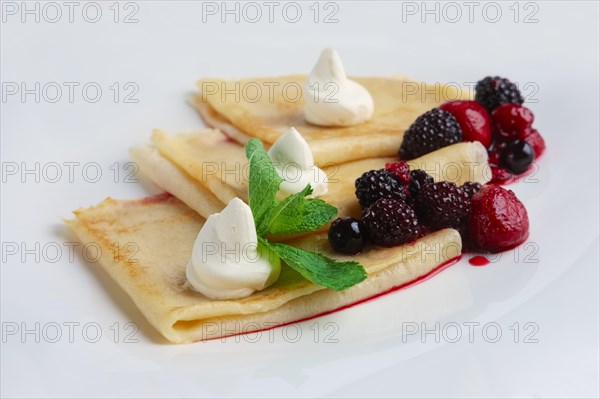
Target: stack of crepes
(204,170)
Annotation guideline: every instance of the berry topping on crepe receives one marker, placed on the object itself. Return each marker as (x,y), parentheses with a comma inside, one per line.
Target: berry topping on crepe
(494,91)
(465,120)
(390,222)
(346,236)
(498,220)
(515,143)
(431,131)
(473,119)
(376,184)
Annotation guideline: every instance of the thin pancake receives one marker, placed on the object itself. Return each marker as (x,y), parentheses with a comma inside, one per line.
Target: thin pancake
(266,107)
(164,230)
(220,166)
(175,180)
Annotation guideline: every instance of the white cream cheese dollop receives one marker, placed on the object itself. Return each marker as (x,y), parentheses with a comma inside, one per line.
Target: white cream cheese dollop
(294,162)
(331,99)
(227,261)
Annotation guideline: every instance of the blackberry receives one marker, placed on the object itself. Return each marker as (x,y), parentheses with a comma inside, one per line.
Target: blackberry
(376,184)
(431,131)
(390,222)
(346,236)
(441,205)
(494,91)
(418,179)
(470,188)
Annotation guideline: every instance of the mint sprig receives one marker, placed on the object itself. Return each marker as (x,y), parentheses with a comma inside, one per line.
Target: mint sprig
(295,214)
(262,186)
(320,269)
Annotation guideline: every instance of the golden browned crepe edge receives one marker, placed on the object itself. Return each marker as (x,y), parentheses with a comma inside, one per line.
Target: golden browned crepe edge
(213,119)
(458,163)
(446,242)
(175,325)
(325,150)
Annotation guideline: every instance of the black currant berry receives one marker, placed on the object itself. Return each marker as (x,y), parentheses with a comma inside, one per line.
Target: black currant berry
(517,156)
(345,235)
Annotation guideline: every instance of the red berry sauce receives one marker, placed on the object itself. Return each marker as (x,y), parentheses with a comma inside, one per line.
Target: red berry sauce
(504,177)
(479,261)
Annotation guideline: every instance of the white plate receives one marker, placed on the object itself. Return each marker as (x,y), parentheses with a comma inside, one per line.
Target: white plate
(543,295)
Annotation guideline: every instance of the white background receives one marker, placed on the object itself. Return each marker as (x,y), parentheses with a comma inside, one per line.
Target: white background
(551,284)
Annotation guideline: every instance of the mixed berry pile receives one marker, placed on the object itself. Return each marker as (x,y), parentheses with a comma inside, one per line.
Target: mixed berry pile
(497,119)
(400,205)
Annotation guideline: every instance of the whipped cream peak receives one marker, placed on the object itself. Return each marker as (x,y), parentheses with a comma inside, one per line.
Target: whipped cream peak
(291,147)
(331,99)
(227,261)
(329,67)
(294,163)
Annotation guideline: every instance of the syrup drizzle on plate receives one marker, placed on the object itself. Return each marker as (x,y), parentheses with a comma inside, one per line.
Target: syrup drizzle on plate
(479,261)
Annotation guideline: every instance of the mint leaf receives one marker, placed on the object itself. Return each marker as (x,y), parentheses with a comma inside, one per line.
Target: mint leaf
(320,269)
(263,185)
(297,214)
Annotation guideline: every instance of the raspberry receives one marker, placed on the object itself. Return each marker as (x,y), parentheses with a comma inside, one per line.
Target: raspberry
(470,188)
(390,222)
(345,235)
(510,119)
(401,169)
(440,205)
(473,119)
(376,184)
(534,139)
(432,130)
(498,220)
(419,179)
(494,91)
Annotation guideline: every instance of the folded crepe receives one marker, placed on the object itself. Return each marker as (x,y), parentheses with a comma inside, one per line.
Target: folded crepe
(206,170)
(265,108)
(163,231)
